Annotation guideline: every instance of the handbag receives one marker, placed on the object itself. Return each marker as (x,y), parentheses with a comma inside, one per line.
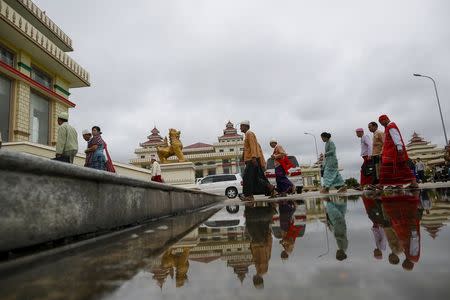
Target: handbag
(368,168)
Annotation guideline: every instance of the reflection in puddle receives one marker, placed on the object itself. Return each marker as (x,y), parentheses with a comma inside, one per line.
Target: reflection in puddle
(244,238)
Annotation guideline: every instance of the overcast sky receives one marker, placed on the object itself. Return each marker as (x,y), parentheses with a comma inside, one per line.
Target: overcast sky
(287,66)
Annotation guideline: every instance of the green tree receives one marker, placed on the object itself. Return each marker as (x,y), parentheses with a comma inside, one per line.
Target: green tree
(351,182)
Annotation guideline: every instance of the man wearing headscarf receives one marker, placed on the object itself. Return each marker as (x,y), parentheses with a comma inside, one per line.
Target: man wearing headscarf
(254,180)
(394,170)
(282,165)
(366,153)
(377,148)
(87,136)
(67,140)
(156,170)
(257,225)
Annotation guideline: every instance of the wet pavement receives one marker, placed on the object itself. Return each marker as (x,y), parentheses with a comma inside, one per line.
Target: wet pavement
(393,245)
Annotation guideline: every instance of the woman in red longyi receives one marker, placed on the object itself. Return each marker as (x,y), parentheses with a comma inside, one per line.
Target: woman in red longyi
(394,170)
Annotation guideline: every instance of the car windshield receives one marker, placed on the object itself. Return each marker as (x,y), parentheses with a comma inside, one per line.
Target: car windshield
(293,160)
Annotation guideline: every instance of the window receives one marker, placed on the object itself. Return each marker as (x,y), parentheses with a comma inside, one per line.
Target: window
(232,150)
(41,77)
(221,150)
(6,56)
(142,156)
(212,172)
(5,99)
(39,119)
(219,178)
(224,178)
(206,180)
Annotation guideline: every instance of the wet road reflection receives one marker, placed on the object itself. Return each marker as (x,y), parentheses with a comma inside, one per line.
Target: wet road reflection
(392,245)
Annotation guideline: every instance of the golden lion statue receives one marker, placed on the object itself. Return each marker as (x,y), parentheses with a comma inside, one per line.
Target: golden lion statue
(165,151)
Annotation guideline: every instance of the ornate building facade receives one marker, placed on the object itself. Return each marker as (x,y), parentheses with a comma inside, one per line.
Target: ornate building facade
(222,157)
(420,148)
(36,74)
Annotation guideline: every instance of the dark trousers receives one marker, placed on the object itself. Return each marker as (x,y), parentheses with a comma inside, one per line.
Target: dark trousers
(376,176)
(421,175)
(254,180)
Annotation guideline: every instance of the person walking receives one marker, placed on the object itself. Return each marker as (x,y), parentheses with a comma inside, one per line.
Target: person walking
(402,209)
(96,146)
(377,148)
(258,226)
(282,165)
(420,169)
(331,175)
(394,170)
(366,178)
(87,136)
(374,210)
(254,181)
(289,231)
(335,209)
(156,170)
(66,141)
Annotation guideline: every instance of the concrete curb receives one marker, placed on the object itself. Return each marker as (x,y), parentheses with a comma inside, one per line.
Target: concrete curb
(43,200)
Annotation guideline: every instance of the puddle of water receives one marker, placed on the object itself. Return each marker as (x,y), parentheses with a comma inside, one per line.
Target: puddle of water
(391,245)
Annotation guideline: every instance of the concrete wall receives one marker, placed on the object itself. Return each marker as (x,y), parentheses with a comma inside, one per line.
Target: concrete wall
(43,200)
(179,174)
(49,152)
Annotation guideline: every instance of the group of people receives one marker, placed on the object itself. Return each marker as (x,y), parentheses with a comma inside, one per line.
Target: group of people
(385,162)
(385,159)
(395,218)
(254,180)
(67,145)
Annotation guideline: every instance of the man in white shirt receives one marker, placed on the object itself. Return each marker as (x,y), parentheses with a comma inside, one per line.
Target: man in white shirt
(420,169)
(366,153)
(156,170)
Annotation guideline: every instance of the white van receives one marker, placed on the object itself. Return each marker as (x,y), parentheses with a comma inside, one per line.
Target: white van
(229,185)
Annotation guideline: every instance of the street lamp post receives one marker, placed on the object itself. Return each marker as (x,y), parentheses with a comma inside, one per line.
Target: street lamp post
(315,143)
(317,152)
(439,105)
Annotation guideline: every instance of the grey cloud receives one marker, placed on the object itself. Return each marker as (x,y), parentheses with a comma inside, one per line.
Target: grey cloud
(289,68)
